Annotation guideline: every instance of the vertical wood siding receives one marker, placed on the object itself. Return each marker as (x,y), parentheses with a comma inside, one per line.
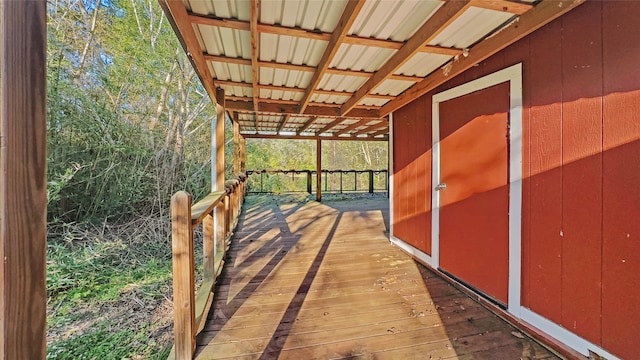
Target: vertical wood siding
(412,174)
(581,163)
(621,179)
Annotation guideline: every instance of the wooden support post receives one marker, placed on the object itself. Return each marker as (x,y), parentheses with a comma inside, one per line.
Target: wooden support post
(318,169)
(23,183)
(236,145)
(217,169)
(243,154)
(217,144)
(309,181)
(370,181)
(184,328)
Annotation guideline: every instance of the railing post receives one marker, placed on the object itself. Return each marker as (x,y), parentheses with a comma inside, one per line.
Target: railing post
(370,181)
(309,181)
(184,328)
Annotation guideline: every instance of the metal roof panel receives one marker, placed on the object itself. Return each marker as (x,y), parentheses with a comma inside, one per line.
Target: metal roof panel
(473,25)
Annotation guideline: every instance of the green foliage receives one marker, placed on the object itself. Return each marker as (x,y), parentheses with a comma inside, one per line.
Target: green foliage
(301,155)
(123,104)
(105,342)
(102,270)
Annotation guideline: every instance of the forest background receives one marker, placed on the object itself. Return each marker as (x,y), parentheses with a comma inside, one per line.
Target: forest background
(129,125)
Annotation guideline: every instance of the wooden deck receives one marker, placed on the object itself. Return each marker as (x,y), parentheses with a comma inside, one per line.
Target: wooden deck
(305,280)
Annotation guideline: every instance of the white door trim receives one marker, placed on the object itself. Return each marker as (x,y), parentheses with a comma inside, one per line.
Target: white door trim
(513,75)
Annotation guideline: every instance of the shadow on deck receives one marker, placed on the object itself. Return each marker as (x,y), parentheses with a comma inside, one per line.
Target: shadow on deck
(305,280)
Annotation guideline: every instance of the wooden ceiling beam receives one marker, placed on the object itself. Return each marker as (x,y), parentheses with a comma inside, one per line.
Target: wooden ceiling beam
(324,36)
(444,16)
(330,125)
(215,21)
(341,30)
(284,88)
(293,31)
(287,66)
(380,132)
(328,111)
(351,127)
(310,137)
(294,102)
(283,123)
(380,125)
(227,59)
(306,125)
(507,6)
(380,96)
(332,92)
(441,50)
(180,21)
(532,20)
(255,48)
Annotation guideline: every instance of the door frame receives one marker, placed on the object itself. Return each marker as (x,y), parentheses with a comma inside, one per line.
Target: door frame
(513,75)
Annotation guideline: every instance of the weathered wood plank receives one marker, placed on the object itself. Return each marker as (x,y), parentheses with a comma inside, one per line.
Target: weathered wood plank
(204,207)
(23,184)
(323,282)
(184,327)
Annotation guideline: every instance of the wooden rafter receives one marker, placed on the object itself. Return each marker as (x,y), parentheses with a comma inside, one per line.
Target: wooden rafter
(327,111)
(444,16)
(310,137)
(287,66)
(396,45)
(325,36)
(293,89)
(339,33)
(330,125)
(380,132)
(512,7)
(249,107)
(283,123)
(183,26)
(380,125)
(540,15)
(380,96)
(351,127)
(255,48)
(306,125)
(227,59)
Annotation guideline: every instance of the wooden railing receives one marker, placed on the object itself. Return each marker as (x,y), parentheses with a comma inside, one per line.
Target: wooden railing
(333,181)
(218,213)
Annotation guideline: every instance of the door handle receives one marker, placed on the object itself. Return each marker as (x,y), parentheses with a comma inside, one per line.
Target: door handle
(440,186)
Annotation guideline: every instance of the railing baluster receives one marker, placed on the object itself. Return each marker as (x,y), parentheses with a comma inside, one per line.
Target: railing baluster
(208,245)
(337,185)
(371,181)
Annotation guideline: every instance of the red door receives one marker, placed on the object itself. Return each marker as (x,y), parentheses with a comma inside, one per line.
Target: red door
(474,206)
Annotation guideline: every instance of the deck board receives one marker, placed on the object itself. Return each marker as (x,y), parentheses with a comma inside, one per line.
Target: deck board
(305,280)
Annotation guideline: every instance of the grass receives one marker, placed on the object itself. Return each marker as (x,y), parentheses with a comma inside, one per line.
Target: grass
(109,291)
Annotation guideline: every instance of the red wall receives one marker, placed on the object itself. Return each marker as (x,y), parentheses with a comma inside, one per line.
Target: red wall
(412,175)
(581,159)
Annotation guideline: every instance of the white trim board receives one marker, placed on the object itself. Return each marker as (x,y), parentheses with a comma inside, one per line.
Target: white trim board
(406,247)
(513,75)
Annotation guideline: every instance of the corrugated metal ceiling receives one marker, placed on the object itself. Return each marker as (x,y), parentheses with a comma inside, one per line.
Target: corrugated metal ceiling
(400,41)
